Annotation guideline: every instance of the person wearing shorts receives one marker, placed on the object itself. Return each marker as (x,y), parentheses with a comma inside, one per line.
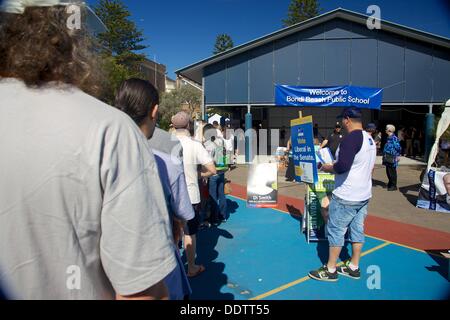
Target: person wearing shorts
(197,164)
(348,206)
(191,227)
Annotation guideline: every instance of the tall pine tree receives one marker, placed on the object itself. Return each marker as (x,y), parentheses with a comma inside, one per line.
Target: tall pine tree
(301,10)
(223,43)
(118,46)
(122,39)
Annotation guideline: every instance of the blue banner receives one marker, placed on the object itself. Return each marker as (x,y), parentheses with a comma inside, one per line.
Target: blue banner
(343,96)
(303,151)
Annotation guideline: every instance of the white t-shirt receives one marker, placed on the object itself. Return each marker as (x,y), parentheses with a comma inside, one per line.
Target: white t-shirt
(82,210)
(194,154)
(219,133)
(360,150)
(229,144)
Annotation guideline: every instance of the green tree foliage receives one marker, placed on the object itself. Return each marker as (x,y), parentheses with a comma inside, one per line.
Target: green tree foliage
(223,43)
(122,38)
(301,10)
(169,104)
(118,46)
(185,98)
(191,98)
(114,74)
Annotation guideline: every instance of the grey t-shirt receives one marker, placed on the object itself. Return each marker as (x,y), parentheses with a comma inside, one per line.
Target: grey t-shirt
(166,142)
(174,185)
(82,211)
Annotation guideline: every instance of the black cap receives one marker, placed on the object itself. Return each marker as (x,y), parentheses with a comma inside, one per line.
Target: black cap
(352,112)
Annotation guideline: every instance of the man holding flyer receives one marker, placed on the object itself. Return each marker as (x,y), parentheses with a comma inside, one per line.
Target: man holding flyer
(353,189)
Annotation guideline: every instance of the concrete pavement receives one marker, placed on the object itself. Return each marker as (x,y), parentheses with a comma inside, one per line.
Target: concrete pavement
(397,205)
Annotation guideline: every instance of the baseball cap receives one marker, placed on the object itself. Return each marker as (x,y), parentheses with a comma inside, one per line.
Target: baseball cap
(352,112)
(371,126)
(181,120)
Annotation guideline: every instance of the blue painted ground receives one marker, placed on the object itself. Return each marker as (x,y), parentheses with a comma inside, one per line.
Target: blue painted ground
(259,250)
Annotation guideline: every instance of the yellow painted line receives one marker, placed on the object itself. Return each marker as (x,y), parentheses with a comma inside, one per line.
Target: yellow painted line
(306,278)
(399,244)
(369,236)
(286,286)
(298,281)
(408,247)
(365,253)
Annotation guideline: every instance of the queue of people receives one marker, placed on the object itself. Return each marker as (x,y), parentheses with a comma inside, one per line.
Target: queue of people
(83,209)
(91,191)
(100,194)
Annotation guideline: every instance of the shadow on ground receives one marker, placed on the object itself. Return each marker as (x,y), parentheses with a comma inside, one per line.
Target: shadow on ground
(378,183)
(207,285)
(232,206)
(442,266)
(411,197)
(323,251)
(294,212)
(321,246)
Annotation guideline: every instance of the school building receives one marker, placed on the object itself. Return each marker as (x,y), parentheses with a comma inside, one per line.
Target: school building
(333,49)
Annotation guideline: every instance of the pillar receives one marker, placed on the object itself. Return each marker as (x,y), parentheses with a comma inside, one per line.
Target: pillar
(203,106)
(248,135)
(429,131)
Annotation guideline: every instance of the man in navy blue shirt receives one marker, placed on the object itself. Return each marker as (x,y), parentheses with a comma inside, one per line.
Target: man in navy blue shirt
(353,189)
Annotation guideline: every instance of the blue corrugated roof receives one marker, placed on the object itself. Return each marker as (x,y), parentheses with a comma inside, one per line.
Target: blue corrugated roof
(337,13)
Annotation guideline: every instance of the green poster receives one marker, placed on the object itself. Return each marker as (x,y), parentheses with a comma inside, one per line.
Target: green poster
(317,197)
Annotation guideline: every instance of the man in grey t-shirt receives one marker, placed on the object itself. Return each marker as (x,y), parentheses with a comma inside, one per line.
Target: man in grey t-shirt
(82,212)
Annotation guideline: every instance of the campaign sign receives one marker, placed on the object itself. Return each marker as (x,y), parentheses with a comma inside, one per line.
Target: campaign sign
(316,206)
(262,185)
(303,151)
(434,193)
(340,96)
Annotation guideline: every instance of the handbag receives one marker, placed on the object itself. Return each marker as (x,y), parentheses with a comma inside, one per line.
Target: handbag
(389,158)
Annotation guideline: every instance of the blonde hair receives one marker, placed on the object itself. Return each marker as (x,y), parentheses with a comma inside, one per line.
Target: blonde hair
(390,128)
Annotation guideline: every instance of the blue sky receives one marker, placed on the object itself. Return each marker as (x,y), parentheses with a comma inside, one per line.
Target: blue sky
(181,32)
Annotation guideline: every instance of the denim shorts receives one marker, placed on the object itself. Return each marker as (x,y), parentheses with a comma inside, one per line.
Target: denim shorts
(346,215)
